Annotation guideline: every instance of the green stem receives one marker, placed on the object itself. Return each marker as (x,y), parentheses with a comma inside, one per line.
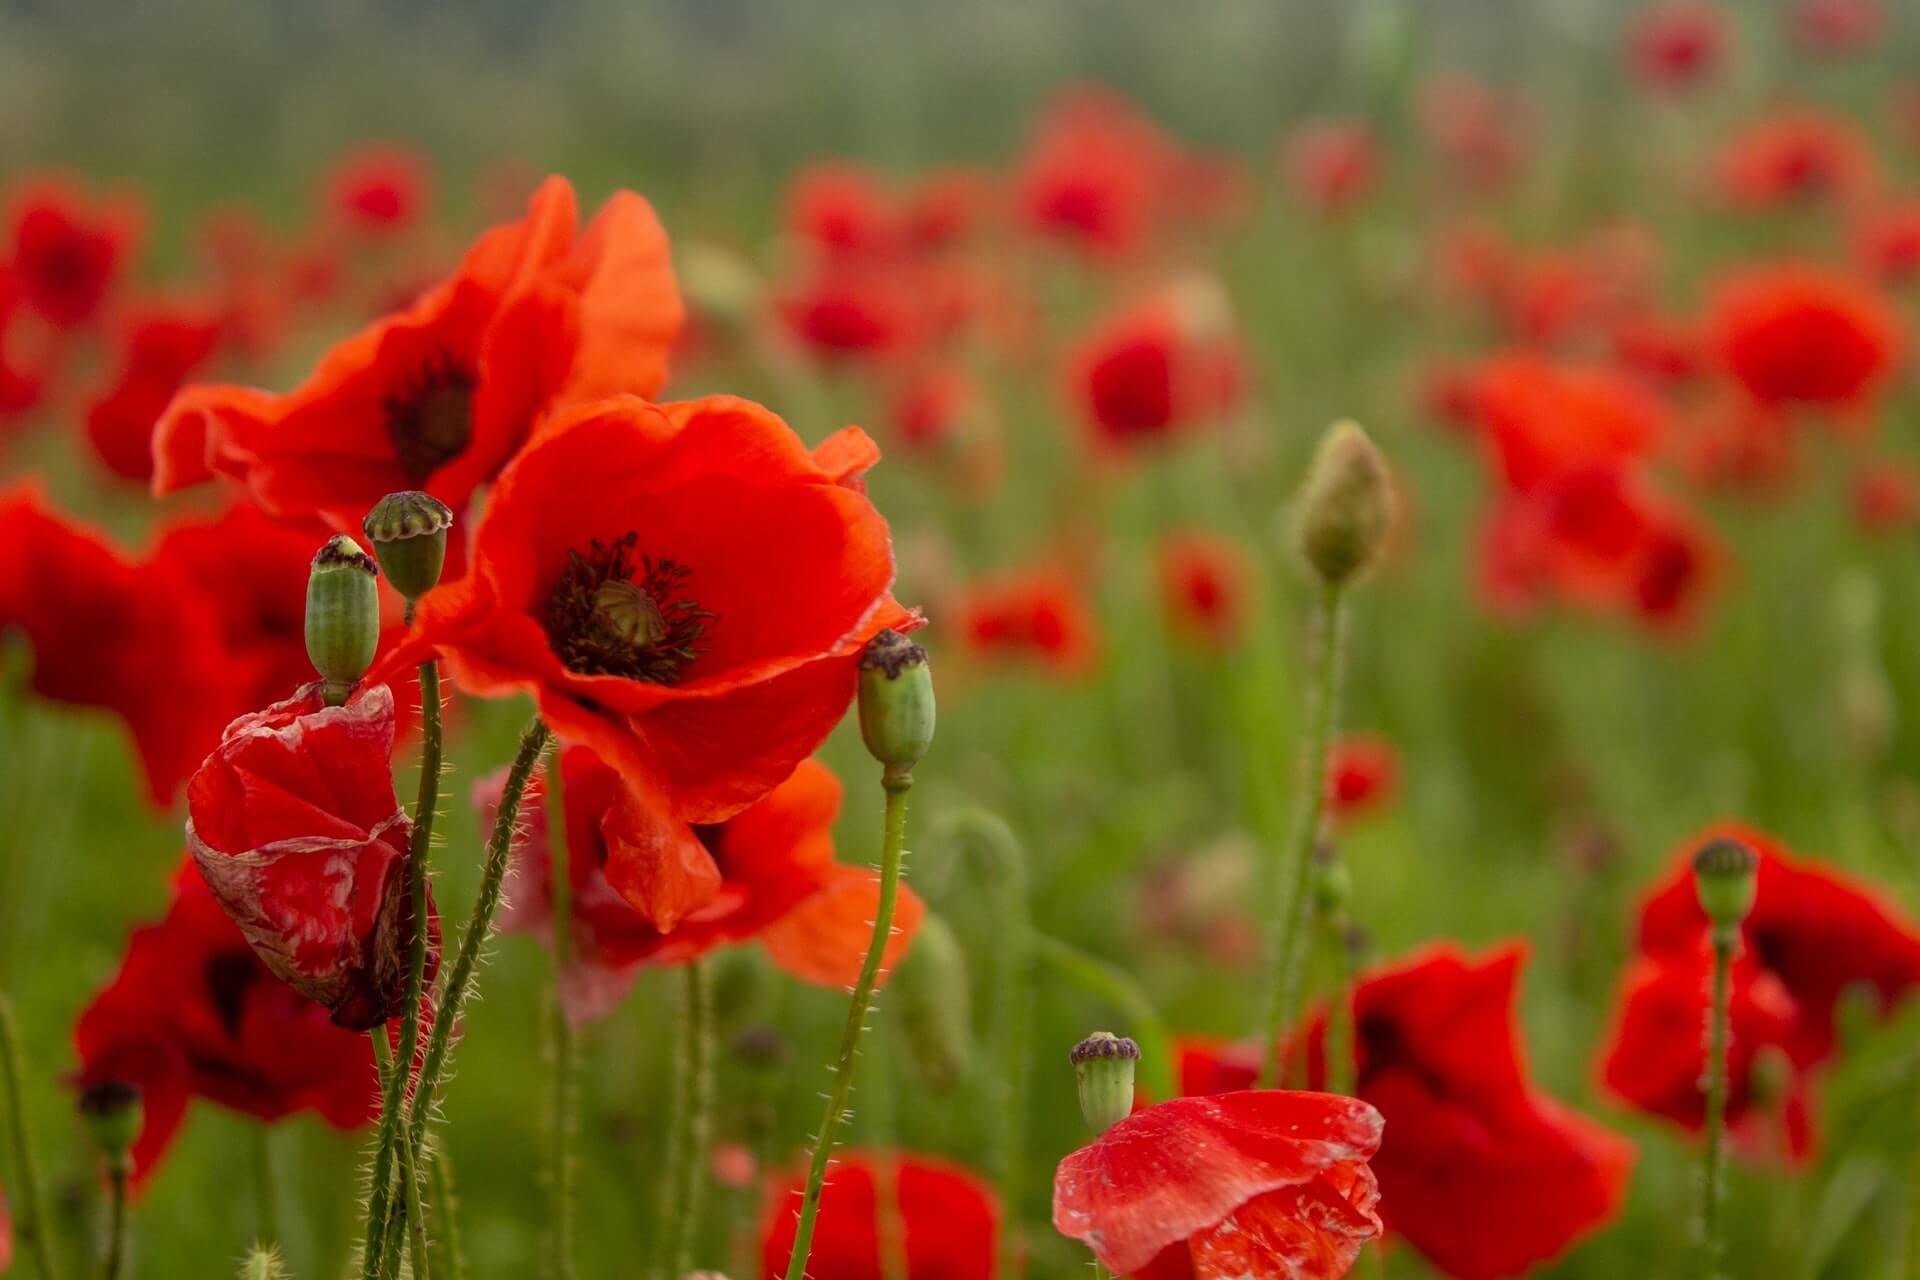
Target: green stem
(673,1189)
(896,784)
(266,1184)
(699,1119)
(116,1261)
(32,1224)
(453,1265)
(1287,914)
(479,930)
(1114,985)
(1340,1047)
(1719,1031)
(883,1137)
(560,880)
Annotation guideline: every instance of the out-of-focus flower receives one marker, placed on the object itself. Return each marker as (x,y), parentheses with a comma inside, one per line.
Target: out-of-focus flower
(1205,581)
(380,190)
(1250,1183)
(1793,157)
(1678,44)
(158,345)
(1668,351)
(947,208)
(949,1220)
(194,1013)
(1473,131)
(1797,334)
(1332,164)
(1886,496)
(1838,26)
(846,309)
(1886,242)
(1363,774)
(1157,368)
(1735,442)
(67,252)
(1037,614)
(839,208)
(1094,175)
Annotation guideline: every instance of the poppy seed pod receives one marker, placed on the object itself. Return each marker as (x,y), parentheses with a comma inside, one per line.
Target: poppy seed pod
(1724,876)
(935,1004)
(114,1114)
(1345,505)
(409,535)
(343,615)
(1104,1063)
(896,701)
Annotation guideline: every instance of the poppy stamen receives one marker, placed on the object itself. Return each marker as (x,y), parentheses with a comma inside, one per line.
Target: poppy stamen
(430,416)
(617,614)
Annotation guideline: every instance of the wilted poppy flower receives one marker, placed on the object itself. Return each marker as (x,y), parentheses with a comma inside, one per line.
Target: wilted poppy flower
(440,396)
(158,345)
(294,824)
(1676,44)
(1036,614)
(1332,164)
(68,253)
(379,189)
(1363,773)
(1803,334)
(695,614)
(1469,1140)
(1886,496)
(1157,368)
(194,1013)
(1094,174)
(949,1220)
(1204,583)
(1254,1183)
(648,889)
(1838,26)
(1796,156)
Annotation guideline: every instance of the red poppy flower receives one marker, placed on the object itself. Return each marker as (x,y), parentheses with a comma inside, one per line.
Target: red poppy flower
(1241,1184)
(1738,443)
(1156,368)
(1886,496)
(648,889)
(1204,583)
(1542,418)
(1363,773)
(948,207)
(949,1220)
(930,405)
(696,614)
(1677,44)
(68,253)
(1838,26)
(1886,242)
(294,824)
(1034,614)
(24,375)
(1094,174)
(848,309)
(1667,351)
(1794,157)
(194,1013)
(380,189)
(1802,334)
(841,208)
(160,344)
(1332,164)
(440,396)
(1472,130)
(1469,1140)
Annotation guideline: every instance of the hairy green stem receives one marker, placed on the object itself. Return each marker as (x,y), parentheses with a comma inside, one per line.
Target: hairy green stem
(32,1223)
(896,783)
(560,880)
(453,1264)
(1719,1031)
(1287,911)
(266,1184)
(118,1174)
(1340,1040)
(699,1118)
(679,1138)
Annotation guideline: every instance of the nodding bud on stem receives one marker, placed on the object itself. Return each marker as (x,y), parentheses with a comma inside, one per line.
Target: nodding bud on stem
(936,1004)
(114,1114)
(343,616)
(896,701)
(1345,505)
(409,534)
(1104,1063)
(1724,877)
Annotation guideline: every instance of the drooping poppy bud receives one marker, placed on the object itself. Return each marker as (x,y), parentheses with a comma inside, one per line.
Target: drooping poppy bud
(343,616)
(409,535)
(1725,878)
(114,1115)
(896,701)
(1345,505)
(1103,1063)
(935,1003)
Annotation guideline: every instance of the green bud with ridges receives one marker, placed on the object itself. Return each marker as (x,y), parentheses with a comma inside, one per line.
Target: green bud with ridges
(1345,505)
(896,701)
(343,615)
(1104,1065)
(408,531)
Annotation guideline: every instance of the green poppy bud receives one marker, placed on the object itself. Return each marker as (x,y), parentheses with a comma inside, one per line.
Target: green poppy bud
(1724,877)
(343,615)
(409,534)
(1345,505)
(114,1114)
(263,1263)
(1104,1064)
(896,701)
(936,1004)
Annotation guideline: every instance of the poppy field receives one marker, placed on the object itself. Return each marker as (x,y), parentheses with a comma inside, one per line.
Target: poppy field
(960,642)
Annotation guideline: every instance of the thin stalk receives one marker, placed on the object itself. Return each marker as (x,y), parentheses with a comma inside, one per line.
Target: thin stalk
(479,930)
(1114,985)
(266,1185)
(32,1224)
(1719,1031)
(883,1136)
(896,785)
(1340,1047)
(118,1174)
(560,1030)
(453,1264)
(673,1188)
(1287,914)
(699,1122)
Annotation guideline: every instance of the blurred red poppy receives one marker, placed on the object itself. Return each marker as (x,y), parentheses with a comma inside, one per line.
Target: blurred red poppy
(1667,351)
(442,395)
(1241,1184)
(840,208)
(67,252)
(24,373)
(651,890)
(1036,614)
(1886,496)
(1157,368)
(849,309)
(1801,334)
(294,824)
(1542,418)
(696,614)
(1838,26)
(1886,242)
(1793,157)
(1468,1137)
(948,207)
(1204,585)
(1094,175)
(194,1013)
(1332,164)
(1473,131)
(158,345)
(1677,44)
(380,189)
(1363,774)
(949,1220)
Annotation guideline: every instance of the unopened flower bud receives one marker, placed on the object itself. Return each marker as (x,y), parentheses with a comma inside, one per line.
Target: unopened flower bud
(1103,1064)
(1345,505)
(1724,877)
(343,615)
(263,1263)
(114,1114)
(896,701)
(936,1004)
(409,534)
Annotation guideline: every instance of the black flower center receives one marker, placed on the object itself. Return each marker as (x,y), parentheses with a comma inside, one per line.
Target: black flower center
(430,416)
(615,613)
